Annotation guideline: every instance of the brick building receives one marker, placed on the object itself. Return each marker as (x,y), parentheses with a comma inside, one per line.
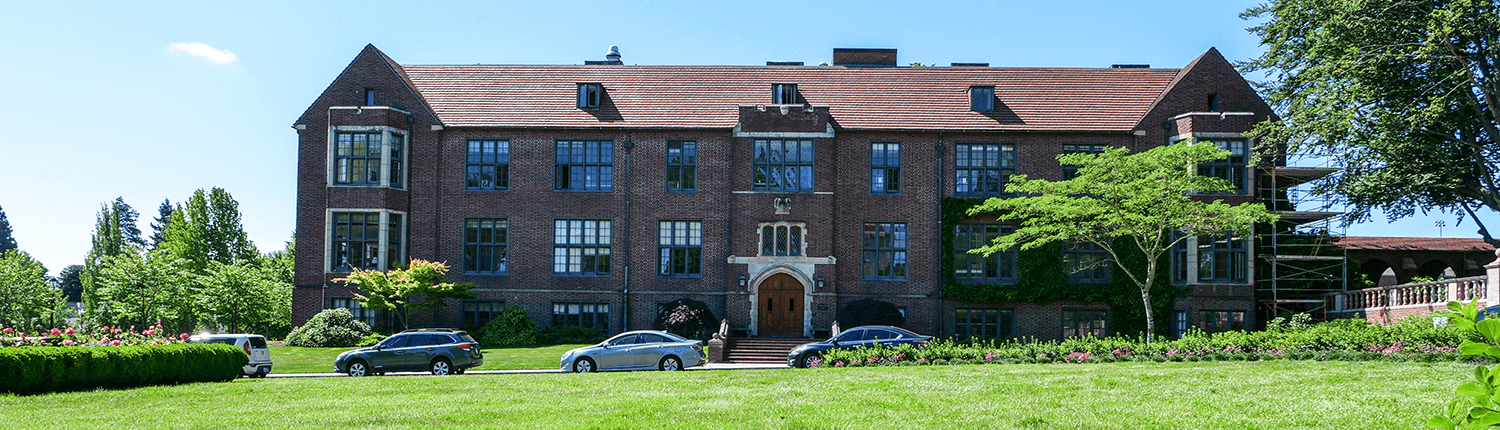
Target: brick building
(590,194)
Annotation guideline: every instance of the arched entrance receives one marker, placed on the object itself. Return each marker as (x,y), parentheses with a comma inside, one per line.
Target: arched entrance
(780,306)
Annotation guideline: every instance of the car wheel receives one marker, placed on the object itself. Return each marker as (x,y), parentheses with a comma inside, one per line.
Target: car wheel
(441,367)
(670,363)
(357,368)
(806,360)
(583,365)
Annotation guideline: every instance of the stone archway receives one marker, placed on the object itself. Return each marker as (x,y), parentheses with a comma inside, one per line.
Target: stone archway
(779,299)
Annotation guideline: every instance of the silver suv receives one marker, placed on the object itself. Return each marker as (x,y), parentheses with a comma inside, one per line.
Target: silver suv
(254,346)
(438,350)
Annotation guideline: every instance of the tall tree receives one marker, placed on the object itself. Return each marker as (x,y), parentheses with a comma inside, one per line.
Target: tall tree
(143,289)
(159,225)
(129,219)
(69,280)
(26,299)
(1401,93)
(419,286)
(1147,198)
(207,228)
(236,296)
(108,241)
(6,240)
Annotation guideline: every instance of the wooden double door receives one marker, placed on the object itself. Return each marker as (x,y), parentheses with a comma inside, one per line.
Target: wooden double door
(780,303)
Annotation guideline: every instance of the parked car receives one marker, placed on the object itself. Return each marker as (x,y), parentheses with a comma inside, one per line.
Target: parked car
(254,346)
(636,350)
(862,336)
(440,351)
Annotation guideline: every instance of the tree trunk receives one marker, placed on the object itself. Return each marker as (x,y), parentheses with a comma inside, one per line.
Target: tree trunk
(1150,320)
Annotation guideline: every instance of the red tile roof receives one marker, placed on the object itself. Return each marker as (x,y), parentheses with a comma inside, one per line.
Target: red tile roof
(1416,244)
(890,98)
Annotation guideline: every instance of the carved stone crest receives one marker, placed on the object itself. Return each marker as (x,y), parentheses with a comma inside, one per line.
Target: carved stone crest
(782,205)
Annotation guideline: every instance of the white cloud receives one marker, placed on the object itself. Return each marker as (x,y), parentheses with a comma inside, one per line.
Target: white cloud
(216,56)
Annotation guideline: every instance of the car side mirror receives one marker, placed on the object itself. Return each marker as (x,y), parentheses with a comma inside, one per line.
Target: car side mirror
(835,342)
(379,347)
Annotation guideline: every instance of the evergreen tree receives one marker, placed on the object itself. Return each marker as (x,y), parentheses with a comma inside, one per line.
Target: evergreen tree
(70,280)
(108,241)
(159,226)
(129,219)
(6,240)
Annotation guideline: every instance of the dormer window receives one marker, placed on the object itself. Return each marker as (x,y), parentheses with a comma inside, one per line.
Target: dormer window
(982,99)
(784,94)
(589,95)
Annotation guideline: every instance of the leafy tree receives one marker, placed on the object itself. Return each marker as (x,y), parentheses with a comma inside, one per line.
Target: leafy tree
(419,286)
(7,241)
(70,283)
(207,228)
(1146,198)
(240,295)
(512,328)
(26,300)
(159,225)
(109,241)
(142,290)
(686,317)
(1402,94)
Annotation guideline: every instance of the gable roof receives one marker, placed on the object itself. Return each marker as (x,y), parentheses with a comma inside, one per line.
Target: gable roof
(368,54)
(884,98)
(1416,244)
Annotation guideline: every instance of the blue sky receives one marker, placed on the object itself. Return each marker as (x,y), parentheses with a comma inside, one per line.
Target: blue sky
(152,102)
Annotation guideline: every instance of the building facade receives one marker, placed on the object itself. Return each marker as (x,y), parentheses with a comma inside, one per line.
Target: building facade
(591,194)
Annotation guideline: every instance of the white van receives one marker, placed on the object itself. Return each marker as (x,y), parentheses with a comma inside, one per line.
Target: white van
(254,346)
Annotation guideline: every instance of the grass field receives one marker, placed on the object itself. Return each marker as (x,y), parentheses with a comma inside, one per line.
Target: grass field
(292,359)
(1217,395)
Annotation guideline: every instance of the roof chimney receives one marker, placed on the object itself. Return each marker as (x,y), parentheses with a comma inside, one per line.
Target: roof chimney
(610,58)
(852,57)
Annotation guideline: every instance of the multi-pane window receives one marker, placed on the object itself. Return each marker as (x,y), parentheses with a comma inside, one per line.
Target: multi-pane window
(682,166)
(783,165)
(982,99)
(485,245)
(1180,266)
(487,165)
(1223,259)
(984,323)
(681,248)
(589,95)
(1232,168)
(1179,323)
(395,224)
(585,165)
(885,168)
(997,268)
(1070,172)
(1083,322)
(581,247)
(357,158)
(368,316)
(477,313)
(781,239)
(982,169)
(1217,321)
(595,315)
(1085,262)
(398,155)
(884,250)
(784,94)
(356,241)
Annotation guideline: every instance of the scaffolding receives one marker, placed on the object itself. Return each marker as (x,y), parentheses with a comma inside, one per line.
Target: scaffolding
(1302,259)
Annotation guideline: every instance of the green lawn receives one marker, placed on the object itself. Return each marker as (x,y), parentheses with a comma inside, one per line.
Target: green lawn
(1218,395)
(292,359)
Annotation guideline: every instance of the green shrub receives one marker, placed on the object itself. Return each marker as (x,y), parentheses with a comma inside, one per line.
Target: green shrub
(371,339)
(30,370)
(513,327)
(570,334)
(330,328)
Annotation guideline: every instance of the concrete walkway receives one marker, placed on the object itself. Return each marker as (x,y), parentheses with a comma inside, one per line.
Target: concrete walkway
(709,366)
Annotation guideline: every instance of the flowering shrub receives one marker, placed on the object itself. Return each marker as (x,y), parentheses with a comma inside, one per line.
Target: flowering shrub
(102,336)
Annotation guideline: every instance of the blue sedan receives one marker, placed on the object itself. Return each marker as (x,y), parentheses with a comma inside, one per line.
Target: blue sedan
(636,350)
(862,336)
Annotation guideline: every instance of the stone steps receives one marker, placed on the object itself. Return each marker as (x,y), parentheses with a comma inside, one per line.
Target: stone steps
(761,350)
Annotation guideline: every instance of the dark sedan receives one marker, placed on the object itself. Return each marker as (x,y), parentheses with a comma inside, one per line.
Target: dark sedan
(866,336)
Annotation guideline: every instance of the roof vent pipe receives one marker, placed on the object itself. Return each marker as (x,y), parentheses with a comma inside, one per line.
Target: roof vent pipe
(613,54)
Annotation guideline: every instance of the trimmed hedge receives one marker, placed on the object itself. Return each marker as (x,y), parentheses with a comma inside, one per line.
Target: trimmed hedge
(42,369)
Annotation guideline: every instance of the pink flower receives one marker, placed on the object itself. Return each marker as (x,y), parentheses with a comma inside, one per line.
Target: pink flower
(117,331)
(54,331)
(183,336)
(67,342)
(148,332)
(8,330)
(69,331)
(114,343)
(105,328)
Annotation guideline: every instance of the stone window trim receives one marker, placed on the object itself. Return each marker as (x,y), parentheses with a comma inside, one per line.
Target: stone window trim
(387,164)
(787,239)
(384,242)
(1244,170)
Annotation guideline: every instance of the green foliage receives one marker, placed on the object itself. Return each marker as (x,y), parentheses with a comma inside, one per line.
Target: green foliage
(513,327)
(29,370)
(132,289)
(418,286)
(1478,407)
(159,225)
(1145,197)
(206,228)
(371,339)
(870,312)
(7,240)
(331,327)
(687,317)
(27,302)
(243,295)
(570,334)
(1402,94)
(112,237)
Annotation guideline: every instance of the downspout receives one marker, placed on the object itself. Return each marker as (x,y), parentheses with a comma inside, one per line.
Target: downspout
(937,289)
(625,291)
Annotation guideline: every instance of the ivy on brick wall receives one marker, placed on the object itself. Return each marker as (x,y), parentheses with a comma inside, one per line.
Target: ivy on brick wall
(1041,278)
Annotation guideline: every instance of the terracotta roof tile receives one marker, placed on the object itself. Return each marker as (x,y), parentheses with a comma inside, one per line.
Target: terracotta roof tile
(1416,244)
(1030,99)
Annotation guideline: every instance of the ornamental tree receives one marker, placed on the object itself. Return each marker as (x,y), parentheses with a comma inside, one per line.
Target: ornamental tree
(418,286)
(1153,199)
(1403,95)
